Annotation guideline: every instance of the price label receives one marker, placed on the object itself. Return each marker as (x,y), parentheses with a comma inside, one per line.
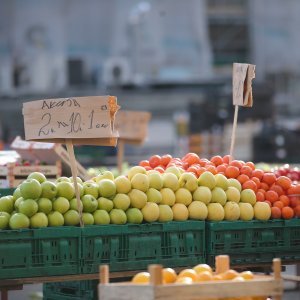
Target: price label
(242,77)
(132,125)
(85,120)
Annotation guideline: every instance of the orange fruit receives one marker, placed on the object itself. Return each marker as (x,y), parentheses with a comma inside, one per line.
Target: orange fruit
(221,168)
(217,277)
(264,186)
(247,275)
(205,276)
(169,275)
(278,189)
(184,280)
(217,160)
(250,164)
(226,158)
(271,196)
(202,267)
(236,163)
(238,279)
(249,184)
(275,212)
(285,200)
(287,212)
(269,178)
(229,274)
(246,170)
(297,211)
(232,172)
(258,173)
(141,278)
(284,182)
(260,196)
(188,273)
(242,178)
(257,181)
(278,204)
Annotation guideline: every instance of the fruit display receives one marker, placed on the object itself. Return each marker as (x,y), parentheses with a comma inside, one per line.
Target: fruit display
(161,189)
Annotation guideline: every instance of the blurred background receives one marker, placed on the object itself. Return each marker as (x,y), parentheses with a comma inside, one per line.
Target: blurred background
(172,58)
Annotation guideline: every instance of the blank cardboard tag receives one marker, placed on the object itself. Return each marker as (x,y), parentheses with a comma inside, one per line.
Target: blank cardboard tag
(85,120)
(242,77)
(132,125)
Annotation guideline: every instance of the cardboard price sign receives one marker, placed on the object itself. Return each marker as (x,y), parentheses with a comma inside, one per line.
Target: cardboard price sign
(132,125)
(242,77)
(84,120)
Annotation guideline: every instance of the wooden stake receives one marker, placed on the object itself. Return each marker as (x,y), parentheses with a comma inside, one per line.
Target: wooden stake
(104,274)
(277,273)
(120,155)
(155,274)
(236,111)
(70,149)
(222,264)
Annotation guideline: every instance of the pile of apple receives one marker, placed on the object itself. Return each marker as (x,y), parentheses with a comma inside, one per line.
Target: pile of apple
(279,188)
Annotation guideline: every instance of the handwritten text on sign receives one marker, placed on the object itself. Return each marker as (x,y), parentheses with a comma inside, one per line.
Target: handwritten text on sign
(132,125)
(242,77)
(69,118)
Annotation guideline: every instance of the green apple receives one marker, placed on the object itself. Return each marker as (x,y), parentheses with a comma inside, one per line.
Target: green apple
(246,211)
(65,189)
(123,184)
(135,170)
(207,179)
(80,188)
(234,183)
(45,205)
(7,204)
(154,195)
(183,196)
(61,204)
(180,212)
(215,212)
(203,194)
(30,189)
(155,180)
(117,216)
(106,204)
(121,201)
(107,188)
(39,220)
(49,190)
(16,194)
(89,203)
(40,177)
(138,199)
(28,207)
(140,182)
(197,210)
(233,194)
(232,211)
(134,216)
(174,170)
(91,188)
(78,179)
(18,221)
(167,196)
(71,217)
(150,212)
(74,204)
(262,211)
(188,181)
(221,181)
(101,217)
(104,175)
(62,179)
(88,219)
(248,196)
(218,195)
(17,202)
(55,218)
(4,219)
(170,180)
(165,213)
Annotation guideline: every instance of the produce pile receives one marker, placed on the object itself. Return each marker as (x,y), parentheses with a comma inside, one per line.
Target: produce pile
(199,274)
(159,189)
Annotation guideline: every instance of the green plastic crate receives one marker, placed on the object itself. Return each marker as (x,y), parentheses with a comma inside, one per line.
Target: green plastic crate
(253,242)
(73,290)
(40,252)
(134,247)
(6,192)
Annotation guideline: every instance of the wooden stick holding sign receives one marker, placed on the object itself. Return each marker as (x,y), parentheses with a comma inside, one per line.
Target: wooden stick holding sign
(133,129)
(242,77)
(82,120)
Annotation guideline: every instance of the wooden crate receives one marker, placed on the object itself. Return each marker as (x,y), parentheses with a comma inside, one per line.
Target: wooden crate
(12,175)
(261,285)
